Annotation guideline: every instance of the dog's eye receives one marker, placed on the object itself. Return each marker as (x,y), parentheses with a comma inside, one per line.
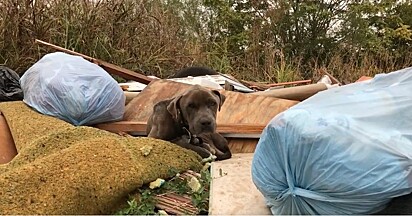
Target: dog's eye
(212,103)
(191,105)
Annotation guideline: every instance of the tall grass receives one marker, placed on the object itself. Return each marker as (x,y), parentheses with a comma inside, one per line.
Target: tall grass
(155,38)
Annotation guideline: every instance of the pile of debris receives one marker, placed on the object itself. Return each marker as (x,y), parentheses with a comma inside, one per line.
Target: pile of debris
(249,108)
(34,145)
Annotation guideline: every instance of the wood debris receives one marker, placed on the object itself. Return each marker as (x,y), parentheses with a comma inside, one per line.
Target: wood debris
(110,68)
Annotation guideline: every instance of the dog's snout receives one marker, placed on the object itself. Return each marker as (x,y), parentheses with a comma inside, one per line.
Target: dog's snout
(206,122)
(205,125)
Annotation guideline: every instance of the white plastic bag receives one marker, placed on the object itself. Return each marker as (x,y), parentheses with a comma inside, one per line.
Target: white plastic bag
(72,89)
(346,150)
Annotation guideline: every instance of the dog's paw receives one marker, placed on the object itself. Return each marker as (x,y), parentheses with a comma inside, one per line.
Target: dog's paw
(186,139)
(196,141)
(209,148)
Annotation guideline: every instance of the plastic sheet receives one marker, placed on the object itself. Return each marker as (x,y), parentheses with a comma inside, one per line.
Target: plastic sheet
(346,150)
(10,89)
(72,89)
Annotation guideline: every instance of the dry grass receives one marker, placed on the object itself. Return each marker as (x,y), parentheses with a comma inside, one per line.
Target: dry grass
(155,39)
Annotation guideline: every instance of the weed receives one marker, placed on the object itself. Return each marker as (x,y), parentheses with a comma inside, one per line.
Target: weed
(200,198)
(146,203)
(177,185)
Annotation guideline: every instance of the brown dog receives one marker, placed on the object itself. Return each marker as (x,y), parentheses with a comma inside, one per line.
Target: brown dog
(189,120)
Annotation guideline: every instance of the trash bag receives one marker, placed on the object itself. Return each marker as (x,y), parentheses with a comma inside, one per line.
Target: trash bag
(72,89)
(9,85)
(346,150)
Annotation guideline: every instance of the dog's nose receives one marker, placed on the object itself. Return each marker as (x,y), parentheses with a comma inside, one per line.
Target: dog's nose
(206,123)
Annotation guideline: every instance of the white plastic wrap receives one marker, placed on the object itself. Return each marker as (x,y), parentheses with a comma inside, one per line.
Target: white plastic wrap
(72,89)
(346,150)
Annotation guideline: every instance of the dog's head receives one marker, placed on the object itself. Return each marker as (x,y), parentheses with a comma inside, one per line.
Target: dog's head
(197,108)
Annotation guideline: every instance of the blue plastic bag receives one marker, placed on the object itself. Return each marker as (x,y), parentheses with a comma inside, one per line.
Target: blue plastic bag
(72,89)
(346,150)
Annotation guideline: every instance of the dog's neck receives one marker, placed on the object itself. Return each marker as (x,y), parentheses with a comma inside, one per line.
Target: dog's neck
(181,120)
(183,123)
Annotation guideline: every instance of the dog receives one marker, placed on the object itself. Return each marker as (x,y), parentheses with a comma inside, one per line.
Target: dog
(189,120)
(194,71)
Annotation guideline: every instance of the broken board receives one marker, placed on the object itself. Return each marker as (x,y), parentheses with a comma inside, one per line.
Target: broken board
(238,108)
(232,191)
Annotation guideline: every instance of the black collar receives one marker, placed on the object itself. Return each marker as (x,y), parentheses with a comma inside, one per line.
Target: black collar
(185,126)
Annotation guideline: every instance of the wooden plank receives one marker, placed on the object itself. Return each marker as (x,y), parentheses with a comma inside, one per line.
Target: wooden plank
(110,68)
(334,80)
(238,142)
(290,83)
(242,145)
(238,109)
(264,86)
(130,96)
(296,93)
(227,130)
(176,204)
(255,85)
(124,126)
(245,108)
(123,72)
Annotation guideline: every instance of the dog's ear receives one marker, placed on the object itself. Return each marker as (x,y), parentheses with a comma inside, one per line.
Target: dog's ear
(222,97)
(174,108)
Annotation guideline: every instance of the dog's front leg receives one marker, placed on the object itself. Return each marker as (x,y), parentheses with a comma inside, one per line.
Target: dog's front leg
(204,142)
(184,141)
(222,147)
